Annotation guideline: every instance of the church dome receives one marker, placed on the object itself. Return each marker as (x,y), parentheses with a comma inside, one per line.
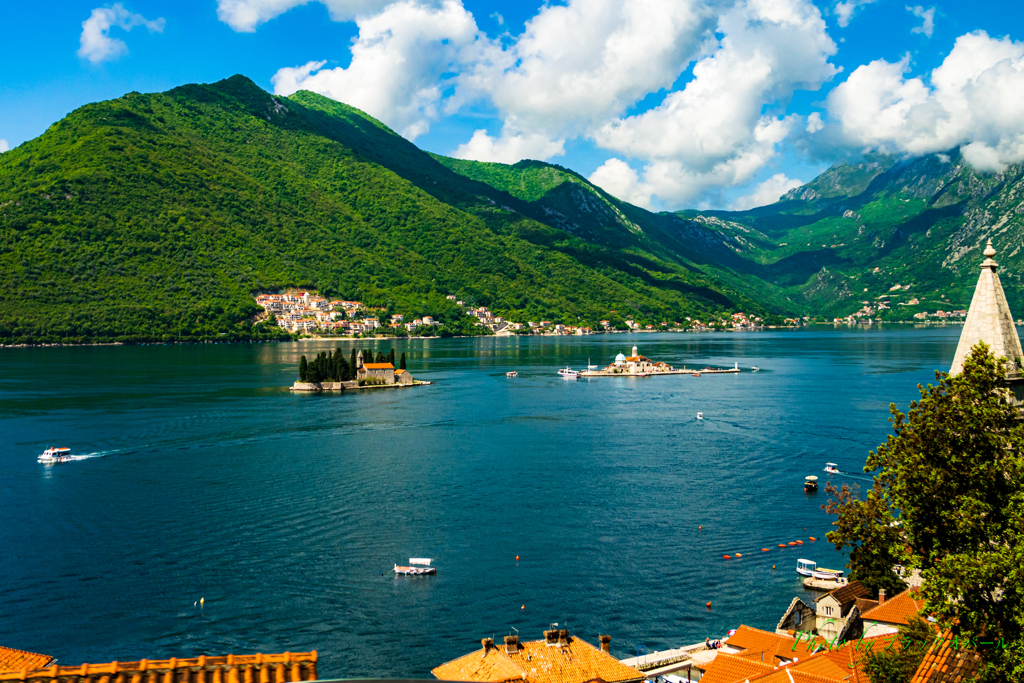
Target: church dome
(620,359)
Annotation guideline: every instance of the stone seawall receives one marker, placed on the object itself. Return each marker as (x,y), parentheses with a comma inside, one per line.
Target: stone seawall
(324,386)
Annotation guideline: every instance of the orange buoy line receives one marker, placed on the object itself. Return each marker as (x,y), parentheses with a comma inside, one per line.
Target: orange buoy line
(726,557)
(764,550)
(738,555)
(812,538)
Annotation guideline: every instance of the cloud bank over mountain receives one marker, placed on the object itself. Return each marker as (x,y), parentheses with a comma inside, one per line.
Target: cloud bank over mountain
(686,98)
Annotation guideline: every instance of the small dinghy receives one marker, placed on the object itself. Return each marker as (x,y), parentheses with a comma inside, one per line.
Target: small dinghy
(700,416)
(417,566)
(513,373)
(832,468)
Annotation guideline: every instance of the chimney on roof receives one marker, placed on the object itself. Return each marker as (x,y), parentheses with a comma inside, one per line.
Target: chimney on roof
(487,644)
(881,596)
(606,643)
(511,644)
(551,637)
(563,637)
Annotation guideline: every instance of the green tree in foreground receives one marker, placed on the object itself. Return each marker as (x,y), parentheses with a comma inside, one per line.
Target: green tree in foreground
(303,368)
(898,664)
(954,471)
(401,363)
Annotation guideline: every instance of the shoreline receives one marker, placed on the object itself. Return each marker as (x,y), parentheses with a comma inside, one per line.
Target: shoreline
(944,323)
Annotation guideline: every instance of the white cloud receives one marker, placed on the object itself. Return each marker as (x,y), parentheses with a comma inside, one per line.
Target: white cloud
(974,98)
(96,43)
(403,60)
(844,10)
(714,132)
(510,147)
(245,15)
(4,146)
(576,65)
(767,192)
(927,17)
(618,179)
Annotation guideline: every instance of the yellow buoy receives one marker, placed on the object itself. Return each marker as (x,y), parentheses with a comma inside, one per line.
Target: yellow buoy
(202,600)
(523,607)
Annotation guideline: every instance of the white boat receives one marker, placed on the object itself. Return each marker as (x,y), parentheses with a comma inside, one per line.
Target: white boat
(513,373)
(755,369)
(827,574)
(832,468)
(700,416)
(55,455)
(806,567)
(569,373)
(591,366)
(417,566)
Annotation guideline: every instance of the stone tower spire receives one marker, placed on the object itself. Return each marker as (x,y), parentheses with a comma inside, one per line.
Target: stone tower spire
(989,320)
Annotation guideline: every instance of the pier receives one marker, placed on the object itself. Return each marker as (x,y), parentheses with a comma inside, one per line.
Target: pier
(667,661)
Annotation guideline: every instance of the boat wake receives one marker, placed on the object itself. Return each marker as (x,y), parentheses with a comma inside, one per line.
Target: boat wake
(97,454)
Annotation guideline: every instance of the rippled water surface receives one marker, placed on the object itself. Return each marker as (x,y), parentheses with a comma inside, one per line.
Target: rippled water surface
(206,479)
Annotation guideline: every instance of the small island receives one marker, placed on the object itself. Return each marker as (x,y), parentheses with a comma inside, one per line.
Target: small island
(641,366)
(333,372)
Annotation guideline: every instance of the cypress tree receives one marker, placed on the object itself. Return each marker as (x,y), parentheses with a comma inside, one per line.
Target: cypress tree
(303,368)
(380,357)
(352,364)
(391,357)
(401,363)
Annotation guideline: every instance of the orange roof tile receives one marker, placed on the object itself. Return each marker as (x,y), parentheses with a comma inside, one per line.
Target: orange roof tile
(11,659)
(755,640)
(947,663)
(276,668)
(726,668)
(539,662)
(848,593)
(897,610)
(788,674)
(399,371)
(378,366)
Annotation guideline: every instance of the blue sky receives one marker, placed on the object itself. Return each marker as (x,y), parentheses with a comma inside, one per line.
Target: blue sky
(665,103)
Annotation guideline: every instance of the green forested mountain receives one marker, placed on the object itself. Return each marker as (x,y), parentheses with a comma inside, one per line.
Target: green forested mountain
(159,216)
(858,230)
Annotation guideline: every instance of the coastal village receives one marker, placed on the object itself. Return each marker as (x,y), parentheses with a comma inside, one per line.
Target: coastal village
(304,312)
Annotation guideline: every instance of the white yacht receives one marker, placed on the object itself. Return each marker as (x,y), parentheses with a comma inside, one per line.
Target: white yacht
(569,373)
(55,455)
(832,468)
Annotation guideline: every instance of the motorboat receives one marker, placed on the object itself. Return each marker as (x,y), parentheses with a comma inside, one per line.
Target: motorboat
(417,566)
(755,369)
(569,373)
(832,468)
(827,574)
(700,416)
(811,483)
(512,373)
(51,455)
(806,567)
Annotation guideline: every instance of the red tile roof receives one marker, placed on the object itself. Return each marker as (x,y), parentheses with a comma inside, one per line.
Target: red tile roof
(538,662)
(726,668)
(11,659)
(897,610)
(378,366)
(277,668)
(755,640)
(848,593)
(945,662)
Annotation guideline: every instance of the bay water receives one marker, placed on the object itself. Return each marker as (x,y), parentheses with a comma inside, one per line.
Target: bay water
(201,476)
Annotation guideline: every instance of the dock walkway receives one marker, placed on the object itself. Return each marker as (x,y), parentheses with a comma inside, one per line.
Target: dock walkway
(664,661)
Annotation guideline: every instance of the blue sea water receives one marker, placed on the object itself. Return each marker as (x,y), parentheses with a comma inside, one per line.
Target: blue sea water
(205,478)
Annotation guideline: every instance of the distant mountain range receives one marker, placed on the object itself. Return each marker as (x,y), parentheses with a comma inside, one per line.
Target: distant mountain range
(158,217)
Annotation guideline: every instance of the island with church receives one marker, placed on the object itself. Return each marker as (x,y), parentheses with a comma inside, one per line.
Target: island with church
(636,365)
(333,371)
